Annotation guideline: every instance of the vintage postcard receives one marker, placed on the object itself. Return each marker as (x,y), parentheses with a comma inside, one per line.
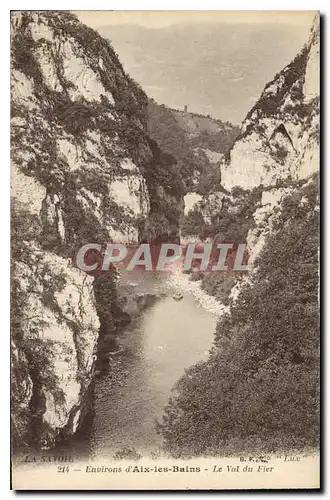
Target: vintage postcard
(165,250)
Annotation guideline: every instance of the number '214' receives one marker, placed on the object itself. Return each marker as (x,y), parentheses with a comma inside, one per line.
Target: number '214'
(62,468)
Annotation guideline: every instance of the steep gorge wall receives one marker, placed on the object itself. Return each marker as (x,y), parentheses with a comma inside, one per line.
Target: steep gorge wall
(275,156)
(82,171)
(258,391)
(279,137)
(277,151)
(85,169)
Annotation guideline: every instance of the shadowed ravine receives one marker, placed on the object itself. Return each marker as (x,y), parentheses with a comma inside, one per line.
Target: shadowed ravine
(158,346)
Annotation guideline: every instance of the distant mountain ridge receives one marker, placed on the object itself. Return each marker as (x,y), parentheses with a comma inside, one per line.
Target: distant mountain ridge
(219,68)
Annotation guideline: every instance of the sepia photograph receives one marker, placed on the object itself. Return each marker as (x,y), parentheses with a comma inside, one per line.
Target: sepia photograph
(165,241)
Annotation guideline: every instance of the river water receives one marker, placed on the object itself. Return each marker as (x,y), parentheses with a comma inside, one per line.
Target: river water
(166,338)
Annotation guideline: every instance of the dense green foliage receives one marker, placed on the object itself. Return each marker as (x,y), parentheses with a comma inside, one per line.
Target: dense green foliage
(224,218)
(230,216)
(259,390)
(191,163)
(220,142)
(219,287)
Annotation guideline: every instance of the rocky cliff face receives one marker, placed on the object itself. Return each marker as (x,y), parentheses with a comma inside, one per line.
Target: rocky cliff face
(259,388)
(275,156)
(278,139)
(82,171)
(277,151)
(78,125)
(291,155)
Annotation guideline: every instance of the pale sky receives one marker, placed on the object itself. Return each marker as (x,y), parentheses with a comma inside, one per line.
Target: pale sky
(211,76)
(160,19)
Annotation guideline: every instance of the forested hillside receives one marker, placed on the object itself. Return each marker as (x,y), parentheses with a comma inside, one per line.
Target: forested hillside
(259,390)
(198,143)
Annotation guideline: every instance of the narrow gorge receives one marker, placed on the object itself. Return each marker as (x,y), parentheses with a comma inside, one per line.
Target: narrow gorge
(94,159)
